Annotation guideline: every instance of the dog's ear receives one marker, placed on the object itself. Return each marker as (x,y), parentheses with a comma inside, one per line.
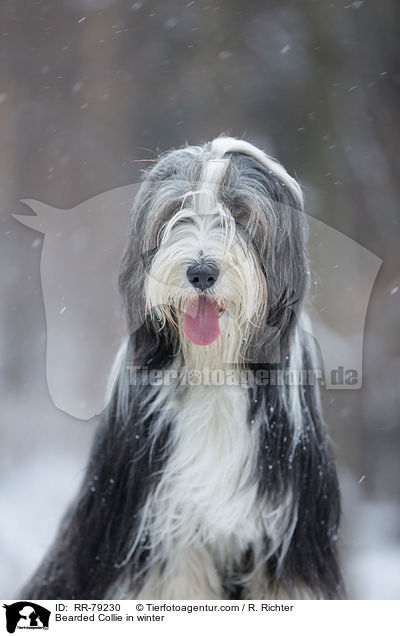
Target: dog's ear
(135,261)
(278,232)
(285,264)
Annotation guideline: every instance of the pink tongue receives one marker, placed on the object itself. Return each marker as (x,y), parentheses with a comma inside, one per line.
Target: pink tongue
(201,321)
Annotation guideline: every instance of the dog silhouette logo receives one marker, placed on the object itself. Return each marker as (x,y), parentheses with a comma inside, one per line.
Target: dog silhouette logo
(80,261)
(26,615)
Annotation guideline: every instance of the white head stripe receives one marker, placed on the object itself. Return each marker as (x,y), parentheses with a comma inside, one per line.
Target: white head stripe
(212,175)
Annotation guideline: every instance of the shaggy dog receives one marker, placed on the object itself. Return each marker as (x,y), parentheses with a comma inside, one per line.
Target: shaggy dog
(211,475)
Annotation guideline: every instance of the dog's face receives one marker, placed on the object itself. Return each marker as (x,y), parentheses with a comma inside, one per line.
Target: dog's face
(205,277)
(221,236)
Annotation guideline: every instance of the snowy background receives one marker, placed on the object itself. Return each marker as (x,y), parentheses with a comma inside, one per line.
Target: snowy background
(89,89)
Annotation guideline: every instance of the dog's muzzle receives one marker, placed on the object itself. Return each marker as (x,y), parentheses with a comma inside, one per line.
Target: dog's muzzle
(202,313)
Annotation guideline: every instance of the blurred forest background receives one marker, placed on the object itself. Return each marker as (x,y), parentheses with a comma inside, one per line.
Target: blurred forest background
(87,88)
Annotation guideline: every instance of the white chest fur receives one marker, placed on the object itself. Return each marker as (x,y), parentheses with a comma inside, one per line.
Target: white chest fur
(205,512)
(207,494)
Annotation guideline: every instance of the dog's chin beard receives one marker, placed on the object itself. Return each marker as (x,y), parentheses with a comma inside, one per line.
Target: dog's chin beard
(205,328)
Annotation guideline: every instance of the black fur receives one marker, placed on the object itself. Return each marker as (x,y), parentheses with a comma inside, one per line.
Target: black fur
(126,462)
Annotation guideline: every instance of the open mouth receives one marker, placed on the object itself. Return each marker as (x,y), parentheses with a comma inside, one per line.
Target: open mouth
(201,321)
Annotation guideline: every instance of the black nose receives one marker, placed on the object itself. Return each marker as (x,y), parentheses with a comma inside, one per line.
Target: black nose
(202,275)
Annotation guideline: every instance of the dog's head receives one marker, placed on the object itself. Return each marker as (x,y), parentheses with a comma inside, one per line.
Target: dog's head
(216,257)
